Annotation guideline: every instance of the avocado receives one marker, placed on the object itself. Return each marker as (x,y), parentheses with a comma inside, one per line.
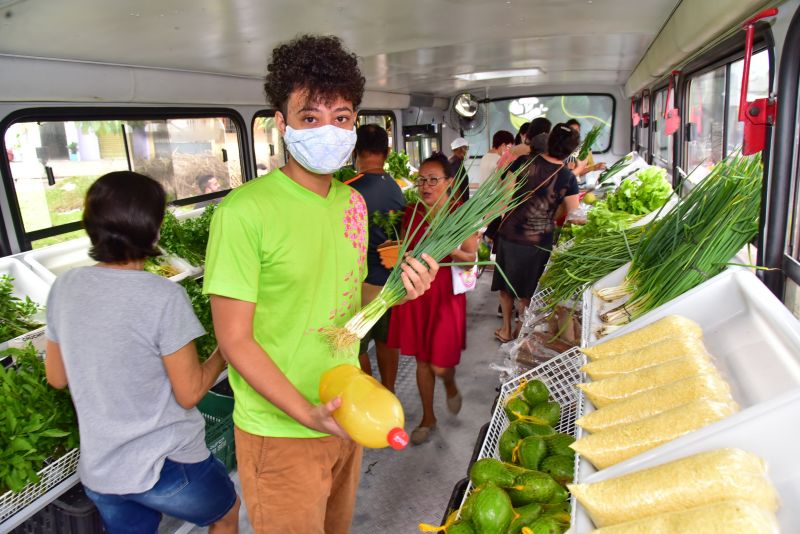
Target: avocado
(508,440)
(490,470)
(560,495)
(561,468)
(535,392)
(526,429)
(530,452)
(492,511)
(462,527)
(532,486)
(546,525)
(559,444)
(524,516)
(549,411)
(515,408)
(469,505)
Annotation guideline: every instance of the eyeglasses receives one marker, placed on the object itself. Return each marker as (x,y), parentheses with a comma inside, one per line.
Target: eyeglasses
(429,180)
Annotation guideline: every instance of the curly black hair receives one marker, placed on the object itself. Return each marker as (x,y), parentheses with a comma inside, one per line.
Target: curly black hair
(317,64)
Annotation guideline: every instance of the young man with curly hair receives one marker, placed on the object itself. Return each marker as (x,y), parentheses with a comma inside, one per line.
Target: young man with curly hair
(286,260)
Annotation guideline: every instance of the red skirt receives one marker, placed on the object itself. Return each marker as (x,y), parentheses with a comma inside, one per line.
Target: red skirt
(433,328)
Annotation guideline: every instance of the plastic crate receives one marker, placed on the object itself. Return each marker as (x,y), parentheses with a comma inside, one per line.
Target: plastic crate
(561,374)
(457,495)
(217,410)
(72,513)
(478,445)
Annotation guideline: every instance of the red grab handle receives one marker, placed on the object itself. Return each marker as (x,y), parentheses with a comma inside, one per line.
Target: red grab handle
(750,28)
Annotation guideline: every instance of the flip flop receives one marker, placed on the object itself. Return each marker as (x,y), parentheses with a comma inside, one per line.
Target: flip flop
(500,338)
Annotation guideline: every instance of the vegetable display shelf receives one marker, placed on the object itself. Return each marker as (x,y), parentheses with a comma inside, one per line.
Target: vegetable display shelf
(26,284)
(50,262)
(761,429)
(54,480)
(754,340)
(560,374)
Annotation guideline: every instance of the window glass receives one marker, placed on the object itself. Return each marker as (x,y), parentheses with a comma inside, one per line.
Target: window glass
(267,144)
(384,120)
(705,117)
(54,163)
(662,150)
(510,114)
(758,87)
(642,133)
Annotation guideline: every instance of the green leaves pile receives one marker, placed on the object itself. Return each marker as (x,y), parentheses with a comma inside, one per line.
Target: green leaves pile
(344,174)
(588,141)
(202,309)
(602,220)
(397,165)
(389,222)
(37,422)
(647,191)
(187,238)
(15,314)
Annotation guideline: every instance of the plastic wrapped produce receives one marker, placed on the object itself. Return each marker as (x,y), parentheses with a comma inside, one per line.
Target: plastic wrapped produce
(697,480)
(670,326)
(618,387)
(621,442)
(660,352)
(655,401)
(728,517)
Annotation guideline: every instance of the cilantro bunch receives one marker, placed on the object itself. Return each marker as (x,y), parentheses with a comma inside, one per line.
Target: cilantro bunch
(201,305)
(16,315)
(188,238)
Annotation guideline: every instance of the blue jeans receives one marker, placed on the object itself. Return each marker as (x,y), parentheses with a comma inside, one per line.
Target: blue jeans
(200,493)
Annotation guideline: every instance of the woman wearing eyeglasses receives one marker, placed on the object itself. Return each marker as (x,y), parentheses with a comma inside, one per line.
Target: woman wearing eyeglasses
(433,327)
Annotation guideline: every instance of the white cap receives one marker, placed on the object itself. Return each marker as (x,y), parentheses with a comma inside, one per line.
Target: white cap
(458,143)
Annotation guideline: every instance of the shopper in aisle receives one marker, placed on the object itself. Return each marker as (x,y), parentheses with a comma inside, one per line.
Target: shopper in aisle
(122,339)
(286,259)
(502,141)
(433,328)
(381,194)
(458,167)
(525,236)
(532,131)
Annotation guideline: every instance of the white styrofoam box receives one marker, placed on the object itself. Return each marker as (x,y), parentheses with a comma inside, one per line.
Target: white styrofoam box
(768,430)
(50,262)
(26,284)
(191,214)
(753,337)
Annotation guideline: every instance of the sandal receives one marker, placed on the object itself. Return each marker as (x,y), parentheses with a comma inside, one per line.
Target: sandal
(421,434)
(454,403)
(500,338)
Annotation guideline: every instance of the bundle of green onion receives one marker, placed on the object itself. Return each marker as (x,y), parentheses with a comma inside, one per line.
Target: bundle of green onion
(588,141)
(616,167)
(447,229)
(573,269)
(694,241)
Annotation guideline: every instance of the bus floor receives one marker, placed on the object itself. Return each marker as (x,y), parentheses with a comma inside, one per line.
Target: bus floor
(401,489)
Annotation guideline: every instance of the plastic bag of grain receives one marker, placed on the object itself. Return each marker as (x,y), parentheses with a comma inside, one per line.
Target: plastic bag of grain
(618,443)
(669,349)
(669,326)
(728,517)
(655,401)
(618,387)
(697,480)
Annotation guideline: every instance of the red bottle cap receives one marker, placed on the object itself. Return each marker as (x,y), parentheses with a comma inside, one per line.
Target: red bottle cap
(397,438)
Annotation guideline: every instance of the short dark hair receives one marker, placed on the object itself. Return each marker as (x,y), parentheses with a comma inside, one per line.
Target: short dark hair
(523,130)
(573,122)
(372,139)
(439,159)
(316,64)
(563,141)
(539,125)
(203,179)
(502,137)
(122,215)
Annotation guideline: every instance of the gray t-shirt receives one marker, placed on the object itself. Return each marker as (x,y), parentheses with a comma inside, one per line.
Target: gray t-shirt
(113,326)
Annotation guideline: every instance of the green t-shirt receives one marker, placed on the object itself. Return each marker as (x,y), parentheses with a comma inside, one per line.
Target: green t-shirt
(301,259)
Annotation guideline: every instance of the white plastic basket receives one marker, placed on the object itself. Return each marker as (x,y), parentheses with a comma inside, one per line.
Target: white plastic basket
(26,284)
(560,374)
(49,477)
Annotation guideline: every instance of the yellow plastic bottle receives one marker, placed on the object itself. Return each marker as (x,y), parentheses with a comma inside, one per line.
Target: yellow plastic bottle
(370,414)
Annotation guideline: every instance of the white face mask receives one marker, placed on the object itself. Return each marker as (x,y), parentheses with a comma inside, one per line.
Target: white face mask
(321,150)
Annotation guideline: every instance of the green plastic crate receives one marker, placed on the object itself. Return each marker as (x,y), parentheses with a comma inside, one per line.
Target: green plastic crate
(218,413)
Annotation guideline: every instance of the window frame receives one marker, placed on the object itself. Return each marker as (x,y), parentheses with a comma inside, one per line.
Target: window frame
(82,113)
(269,113)
(380,113)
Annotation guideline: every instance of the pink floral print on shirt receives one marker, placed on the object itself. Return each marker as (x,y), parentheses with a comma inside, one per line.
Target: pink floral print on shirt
(355,226)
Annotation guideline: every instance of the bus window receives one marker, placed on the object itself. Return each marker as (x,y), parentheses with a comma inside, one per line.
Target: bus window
(758,87)
(662,151)
(642,134)
(267,143)
(510,114)
(53,163)
(382,119)
(706,119)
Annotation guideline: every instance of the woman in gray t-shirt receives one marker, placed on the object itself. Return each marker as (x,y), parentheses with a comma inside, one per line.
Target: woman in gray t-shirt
(122,339)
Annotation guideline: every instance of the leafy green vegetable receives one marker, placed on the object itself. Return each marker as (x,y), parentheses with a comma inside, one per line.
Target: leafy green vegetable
(389,222)
(202,309)
(397,165)
(601,220)
(344,174)
(188,238)
(588,141)
(159,267)
(646,191)
(37,422)
(15,314)
(616,167)
(412,196)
